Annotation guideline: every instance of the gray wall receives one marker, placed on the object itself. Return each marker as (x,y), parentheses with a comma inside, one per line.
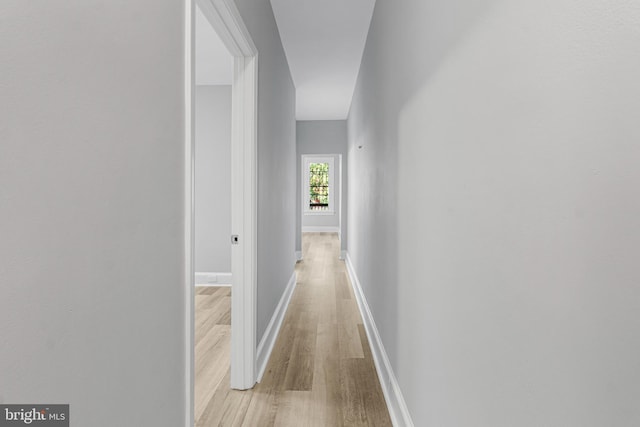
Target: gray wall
(92,155)
(276,159)
(494,217)
(92,291)
(322,137)
(213,179)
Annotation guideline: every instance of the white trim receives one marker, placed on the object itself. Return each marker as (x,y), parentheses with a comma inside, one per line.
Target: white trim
(204,278)
(227,22)
(244,224)
(298,256)
(343,194)
(312,213)
(343,255)
(213,285)
(398,410)
(189,210)
(320,229)
(269,338)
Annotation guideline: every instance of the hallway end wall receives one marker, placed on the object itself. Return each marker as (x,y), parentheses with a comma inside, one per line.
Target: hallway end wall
(322,137)
(494,217)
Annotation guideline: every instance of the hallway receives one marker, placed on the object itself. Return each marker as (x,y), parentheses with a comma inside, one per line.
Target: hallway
(321,372)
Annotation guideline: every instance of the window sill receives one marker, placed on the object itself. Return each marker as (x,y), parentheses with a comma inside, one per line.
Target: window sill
(313,213)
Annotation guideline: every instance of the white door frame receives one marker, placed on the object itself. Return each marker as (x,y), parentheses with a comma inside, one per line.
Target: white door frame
(227,22)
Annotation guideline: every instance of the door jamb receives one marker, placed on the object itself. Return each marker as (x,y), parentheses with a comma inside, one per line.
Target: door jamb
(227,22)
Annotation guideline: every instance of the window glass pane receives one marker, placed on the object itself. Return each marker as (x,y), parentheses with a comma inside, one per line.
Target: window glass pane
(319,186)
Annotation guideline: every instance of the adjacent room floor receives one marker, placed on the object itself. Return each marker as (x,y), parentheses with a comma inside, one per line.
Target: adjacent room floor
(321,372)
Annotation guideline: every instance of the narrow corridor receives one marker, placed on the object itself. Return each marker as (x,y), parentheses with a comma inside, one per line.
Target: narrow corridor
(321,372)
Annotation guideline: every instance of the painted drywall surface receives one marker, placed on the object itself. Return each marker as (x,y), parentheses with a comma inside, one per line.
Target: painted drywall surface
(92,291)
(500,144)
(321,220)
(213,179)
(322,137)
(214,63)
(276,160)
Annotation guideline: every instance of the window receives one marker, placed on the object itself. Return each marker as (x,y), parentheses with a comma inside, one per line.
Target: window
(317,185)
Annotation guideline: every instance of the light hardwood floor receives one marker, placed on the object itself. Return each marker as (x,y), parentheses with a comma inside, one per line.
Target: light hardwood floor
(321,372)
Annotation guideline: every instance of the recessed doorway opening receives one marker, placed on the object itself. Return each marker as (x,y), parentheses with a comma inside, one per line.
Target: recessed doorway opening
(225,21)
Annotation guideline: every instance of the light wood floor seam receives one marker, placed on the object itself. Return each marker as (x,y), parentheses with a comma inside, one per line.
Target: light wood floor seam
(321,372)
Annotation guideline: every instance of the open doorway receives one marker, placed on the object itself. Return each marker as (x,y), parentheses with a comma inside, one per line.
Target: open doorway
(321,184)
(222,19)
(324,143)
(212,214)
(214,79)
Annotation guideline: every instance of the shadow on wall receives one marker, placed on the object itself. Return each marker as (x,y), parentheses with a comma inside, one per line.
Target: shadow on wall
(407,44)
(515,209)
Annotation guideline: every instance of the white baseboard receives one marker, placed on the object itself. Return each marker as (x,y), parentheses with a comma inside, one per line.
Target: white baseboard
(343,255)
(298,256)
(269,338)
(320,229)
(398,411)
(213,279)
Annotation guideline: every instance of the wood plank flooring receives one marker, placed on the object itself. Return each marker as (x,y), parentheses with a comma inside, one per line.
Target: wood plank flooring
(321,372)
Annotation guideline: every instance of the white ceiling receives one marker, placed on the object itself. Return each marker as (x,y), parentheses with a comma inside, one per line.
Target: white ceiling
(214,63)
(323,41)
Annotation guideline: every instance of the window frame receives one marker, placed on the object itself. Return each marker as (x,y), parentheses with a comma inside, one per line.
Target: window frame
(306,162)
